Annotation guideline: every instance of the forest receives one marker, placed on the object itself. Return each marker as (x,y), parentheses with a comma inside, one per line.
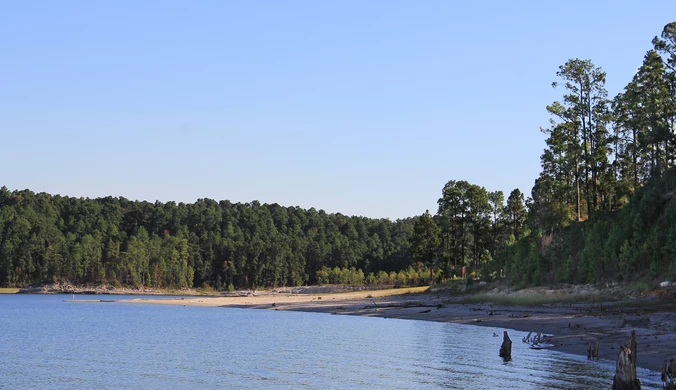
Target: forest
(48,238)
(602,209)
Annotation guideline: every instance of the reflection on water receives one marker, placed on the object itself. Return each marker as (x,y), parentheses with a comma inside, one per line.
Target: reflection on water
(48,344)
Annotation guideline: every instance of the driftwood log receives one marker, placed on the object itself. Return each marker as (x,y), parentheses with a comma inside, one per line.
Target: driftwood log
(506,348)
(669,374)
(625,369)
(534,339)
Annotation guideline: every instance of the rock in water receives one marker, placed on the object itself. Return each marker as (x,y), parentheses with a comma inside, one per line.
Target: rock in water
(625,370)
(506,348)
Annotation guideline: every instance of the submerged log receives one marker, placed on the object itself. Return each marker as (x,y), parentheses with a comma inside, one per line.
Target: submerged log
(506,348)
(625,370)
(669,374)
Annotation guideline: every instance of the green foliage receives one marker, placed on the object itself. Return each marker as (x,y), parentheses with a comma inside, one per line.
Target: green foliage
(604,200)
(347,276)
(636,243)
(45,238)
(516,213)
(642,286)
(537,299)
(471,221)
(487,270)
(425,240)
(415,275)
(525,267)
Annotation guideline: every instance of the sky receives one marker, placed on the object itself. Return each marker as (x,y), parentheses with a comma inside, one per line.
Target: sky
(358,107)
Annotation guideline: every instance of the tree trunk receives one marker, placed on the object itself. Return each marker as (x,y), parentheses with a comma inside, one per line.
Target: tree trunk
(635,159)
(586,157)
(462,240)
(577,184)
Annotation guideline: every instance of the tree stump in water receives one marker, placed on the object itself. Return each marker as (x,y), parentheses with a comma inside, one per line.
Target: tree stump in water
(625,370)
(669,374)
(634,350)
(506,348)
(593,350)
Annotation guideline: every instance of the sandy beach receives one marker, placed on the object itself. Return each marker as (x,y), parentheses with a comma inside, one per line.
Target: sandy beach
(572,326)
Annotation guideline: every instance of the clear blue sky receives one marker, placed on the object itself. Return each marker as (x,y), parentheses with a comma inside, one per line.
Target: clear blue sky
(358,107)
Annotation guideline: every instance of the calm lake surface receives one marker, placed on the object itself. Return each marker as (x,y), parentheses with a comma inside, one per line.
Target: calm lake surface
(49,344)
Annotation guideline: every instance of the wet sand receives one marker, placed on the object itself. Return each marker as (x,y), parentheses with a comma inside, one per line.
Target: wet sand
(573,326)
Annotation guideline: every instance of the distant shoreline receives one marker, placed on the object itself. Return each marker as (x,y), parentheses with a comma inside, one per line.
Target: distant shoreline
(105,289)
(572,326)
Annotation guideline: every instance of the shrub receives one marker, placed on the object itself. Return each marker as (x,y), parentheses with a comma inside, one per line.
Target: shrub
(470,281)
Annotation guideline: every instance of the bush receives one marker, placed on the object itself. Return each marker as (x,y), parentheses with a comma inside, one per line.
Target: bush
(348,276)
(470,281)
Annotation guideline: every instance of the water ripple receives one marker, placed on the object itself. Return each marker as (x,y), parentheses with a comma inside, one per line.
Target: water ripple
(48,344)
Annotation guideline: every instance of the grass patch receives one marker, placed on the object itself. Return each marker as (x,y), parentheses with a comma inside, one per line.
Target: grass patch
(212,292)
(9,290)
(535,299)
(643,286)
(194,292)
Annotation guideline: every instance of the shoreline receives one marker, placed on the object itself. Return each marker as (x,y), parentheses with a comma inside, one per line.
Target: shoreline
(105,289)
(573,326)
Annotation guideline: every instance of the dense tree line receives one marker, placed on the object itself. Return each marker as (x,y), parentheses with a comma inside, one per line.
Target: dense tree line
(610,163)
(45,238)
(637,242)
(473,228)
(597,210)
(601,150)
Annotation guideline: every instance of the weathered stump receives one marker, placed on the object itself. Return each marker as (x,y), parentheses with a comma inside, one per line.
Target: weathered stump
(506,348)
(625,370)
(634,350)
(593,350)
(669,374)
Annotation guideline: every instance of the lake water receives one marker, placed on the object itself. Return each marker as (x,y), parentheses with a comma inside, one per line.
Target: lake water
(49,344)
